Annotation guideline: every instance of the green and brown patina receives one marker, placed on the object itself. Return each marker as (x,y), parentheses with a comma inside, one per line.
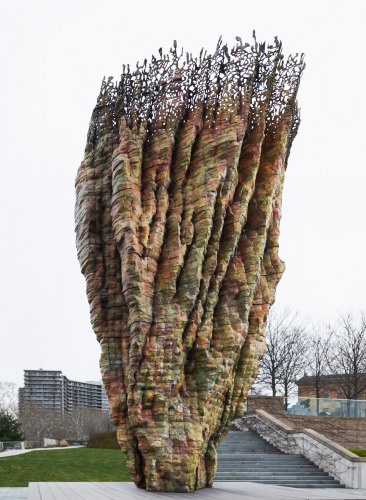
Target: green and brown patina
(177,221)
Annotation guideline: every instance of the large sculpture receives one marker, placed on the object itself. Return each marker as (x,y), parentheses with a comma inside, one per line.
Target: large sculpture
(177,220)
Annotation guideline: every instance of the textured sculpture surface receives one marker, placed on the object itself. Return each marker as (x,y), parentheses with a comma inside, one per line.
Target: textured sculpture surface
(177,221)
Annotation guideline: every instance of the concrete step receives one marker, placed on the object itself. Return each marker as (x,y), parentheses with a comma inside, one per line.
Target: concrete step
(269,475)
(249,450)
(244,439)
(280,480)
(253,451)
(261,461)
(271,472)
(237,454)
(289,484)
(263,465)
(270,458)
(254,457)
(247,457)
(284,480)
(258,463)
(244,468)
(246,447)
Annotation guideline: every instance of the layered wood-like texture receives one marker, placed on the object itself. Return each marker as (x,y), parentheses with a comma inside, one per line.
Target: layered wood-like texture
(177,220)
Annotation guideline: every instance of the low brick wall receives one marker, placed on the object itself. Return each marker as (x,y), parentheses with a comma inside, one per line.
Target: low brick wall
(271,404)
(346,431)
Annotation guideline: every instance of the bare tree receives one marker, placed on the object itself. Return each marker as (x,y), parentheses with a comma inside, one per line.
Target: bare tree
(295,350)
(77,418)
(9,398)
(284,358)
(349,354)
(79,424)
(319,358)
(37,421)
(278,326)
(96,421)
(61,425)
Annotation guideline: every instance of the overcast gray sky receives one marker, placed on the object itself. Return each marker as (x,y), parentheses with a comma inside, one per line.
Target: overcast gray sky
(53,56)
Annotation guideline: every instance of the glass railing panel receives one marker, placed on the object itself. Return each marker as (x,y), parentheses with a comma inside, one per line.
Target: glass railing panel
(327,407)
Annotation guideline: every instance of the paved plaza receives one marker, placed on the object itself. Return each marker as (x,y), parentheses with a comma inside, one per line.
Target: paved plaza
(13,493)
(13,453)
(220,491)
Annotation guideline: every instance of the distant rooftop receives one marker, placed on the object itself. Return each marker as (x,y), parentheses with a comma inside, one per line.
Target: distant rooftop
(307,379)
(43,370)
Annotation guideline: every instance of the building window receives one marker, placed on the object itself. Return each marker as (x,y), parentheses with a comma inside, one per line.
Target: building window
(340,396)
(325,395)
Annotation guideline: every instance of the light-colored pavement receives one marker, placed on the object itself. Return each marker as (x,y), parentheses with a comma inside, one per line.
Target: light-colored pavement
(13,453)
(13,493)
(220,491)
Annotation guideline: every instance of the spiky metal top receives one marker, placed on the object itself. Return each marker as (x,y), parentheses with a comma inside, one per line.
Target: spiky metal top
(158,95)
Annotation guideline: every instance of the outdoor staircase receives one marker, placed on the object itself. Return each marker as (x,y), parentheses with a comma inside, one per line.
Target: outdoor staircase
(245,456)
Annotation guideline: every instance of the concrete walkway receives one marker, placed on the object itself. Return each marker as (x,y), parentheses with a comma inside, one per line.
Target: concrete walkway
(13,493)
(220,491)
(13,453)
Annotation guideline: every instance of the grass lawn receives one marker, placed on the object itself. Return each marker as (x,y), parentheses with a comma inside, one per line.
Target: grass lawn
(79,464)
(360,453)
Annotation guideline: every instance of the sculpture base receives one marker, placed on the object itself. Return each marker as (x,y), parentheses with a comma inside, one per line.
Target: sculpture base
(159,463)
(172,473)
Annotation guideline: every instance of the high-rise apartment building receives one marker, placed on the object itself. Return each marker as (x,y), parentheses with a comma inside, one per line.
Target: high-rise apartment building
(53,390)
(105,403)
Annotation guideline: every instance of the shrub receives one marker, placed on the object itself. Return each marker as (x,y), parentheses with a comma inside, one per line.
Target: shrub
(9,428)
(106,440)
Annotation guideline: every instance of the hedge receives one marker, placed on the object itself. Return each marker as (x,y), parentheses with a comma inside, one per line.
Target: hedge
(106,440)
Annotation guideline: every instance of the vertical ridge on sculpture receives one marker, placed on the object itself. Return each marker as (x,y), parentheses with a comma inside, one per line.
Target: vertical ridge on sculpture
(178,206)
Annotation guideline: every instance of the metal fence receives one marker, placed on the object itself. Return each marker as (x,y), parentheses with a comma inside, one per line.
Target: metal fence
(12,445)
(328,407)
(21,445)
(34,444)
